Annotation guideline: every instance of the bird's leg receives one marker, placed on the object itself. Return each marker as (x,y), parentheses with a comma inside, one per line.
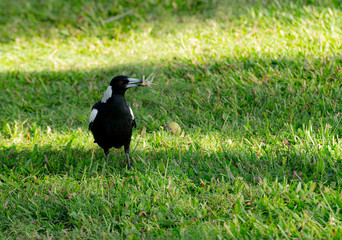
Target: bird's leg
(127,156)
(106,151)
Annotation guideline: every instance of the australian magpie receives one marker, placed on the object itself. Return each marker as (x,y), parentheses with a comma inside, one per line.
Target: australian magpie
(112,119)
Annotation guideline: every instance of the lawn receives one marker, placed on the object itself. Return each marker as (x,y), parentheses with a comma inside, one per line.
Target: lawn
(256,87)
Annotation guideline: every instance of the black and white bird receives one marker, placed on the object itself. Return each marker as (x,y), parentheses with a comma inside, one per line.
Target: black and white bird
(112,119)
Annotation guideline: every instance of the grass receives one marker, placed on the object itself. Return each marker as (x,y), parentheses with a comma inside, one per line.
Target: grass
(255,86)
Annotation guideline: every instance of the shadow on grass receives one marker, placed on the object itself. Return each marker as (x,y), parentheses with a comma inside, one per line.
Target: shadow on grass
(75,189)
(85,18)
(237,97)
(67,19)
(190,162)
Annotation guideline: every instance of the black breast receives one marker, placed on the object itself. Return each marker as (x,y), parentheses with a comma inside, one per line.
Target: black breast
(112,126)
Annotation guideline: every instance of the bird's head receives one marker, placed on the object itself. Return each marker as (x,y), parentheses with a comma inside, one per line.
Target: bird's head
(122,83)
(119,85)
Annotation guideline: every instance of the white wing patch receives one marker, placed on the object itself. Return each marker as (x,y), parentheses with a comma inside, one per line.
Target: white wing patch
(107,94)
(130,109)
(93,115)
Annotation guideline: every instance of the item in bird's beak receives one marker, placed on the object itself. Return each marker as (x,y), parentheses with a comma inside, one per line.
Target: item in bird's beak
(148,81)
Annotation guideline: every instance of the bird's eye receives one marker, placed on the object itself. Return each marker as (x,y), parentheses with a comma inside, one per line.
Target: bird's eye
(121,82)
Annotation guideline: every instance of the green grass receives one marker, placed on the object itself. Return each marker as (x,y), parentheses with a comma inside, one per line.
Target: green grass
(255,86)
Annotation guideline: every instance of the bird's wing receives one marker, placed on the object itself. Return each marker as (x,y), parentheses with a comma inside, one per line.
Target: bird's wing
(134,124)
(133,119)
(93,114)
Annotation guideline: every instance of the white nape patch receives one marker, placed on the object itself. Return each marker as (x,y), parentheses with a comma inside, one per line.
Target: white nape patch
(107,94)
(130,109)
(93,115)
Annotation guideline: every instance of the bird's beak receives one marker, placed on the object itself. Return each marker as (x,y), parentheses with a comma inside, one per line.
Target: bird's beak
(133,82)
